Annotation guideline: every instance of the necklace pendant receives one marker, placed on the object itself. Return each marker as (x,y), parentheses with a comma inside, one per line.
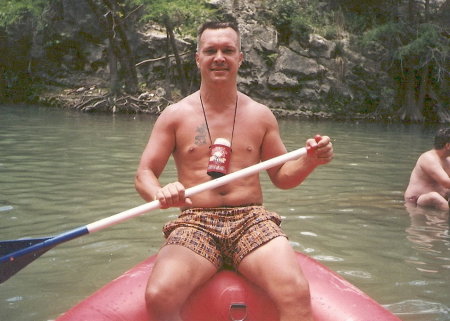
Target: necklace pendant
(219,158)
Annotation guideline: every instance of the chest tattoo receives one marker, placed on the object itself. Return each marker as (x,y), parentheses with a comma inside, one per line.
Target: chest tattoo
(201,135)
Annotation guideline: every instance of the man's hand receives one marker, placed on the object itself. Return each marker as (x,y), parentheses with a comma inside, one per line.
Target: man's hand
(321,149)
(172,195)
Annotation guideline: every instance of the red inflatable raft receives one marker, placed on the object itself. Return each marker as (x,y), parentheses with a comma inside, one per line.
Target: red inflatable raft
(228,296)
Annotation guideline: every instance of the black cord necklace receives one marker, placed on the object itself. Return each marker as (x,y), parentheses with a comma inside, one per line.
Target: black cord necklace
(206,120)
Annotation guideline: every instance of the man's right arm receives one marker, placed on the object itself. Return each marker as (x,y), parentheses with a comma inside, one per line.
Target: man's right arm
(155,156)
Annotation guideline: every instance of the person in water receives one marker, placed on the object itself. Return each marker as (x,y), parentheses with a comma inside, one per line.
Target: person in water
(226,225)
(429,184)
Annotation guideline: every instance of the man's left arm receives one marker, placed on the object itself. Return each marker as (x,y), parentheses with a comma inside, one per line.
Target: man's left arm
(433,167)
(293,173)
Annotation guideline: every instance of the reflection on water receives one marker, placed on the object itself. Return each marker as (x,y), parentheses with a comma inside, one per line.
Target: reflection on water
(429,234)
(60,170)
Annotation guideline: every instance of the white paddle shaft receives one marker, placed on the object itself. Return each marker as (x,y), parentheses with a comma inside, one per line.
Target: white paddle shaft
(144,208)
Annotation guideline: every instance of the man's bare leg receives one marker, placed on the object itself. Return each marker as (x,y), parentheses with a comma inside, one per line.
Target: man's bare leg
(178,271)
(274,268)
(433,199)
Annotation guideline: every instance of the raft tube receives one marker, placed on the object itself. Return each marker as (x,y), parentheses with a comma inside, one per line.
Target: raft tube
(228,296)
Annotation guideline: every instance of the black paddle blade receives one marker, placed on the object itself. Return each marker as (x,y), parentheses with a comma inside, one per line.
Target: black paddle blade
(16,254)
(7,247)
(10,267)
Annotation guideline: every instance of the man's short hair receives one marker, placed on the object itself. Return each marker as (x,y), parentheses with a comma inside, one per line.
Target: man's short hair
(442,137)
(218,25)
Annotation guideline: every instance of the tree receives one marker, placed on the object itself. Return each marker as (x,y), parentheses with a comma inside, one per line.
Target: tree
(113,15)
(417,58)
(14,11)
(17,19)
(177,16)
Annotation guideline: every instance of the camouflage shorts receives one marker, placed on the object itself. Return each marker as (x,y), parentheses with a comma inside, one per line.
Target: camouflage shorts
(223,235)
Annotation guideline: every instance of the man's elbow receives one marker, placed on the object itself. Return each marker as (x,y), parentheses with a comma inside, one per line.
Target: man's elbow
(138,185)
(137,181)
(286,183)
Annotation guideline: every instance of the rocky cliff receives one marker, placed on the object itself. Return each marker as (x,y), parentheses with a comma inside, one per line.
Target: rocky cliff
(312,77)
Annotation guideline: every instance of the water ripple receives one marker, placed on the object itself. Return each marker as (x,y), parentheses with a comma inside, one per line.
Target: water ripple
(6,208)
(60,170)
(328,258)
(419,307)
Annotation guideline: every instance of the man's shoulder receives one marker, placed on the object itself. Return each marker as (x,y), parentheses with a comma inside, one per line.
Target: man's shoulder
(429,154)
(181,107)
(428,159)
(253,105)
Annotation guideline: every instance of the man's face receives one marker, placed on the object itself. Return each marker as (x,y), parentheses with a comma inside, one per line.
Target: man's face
(219,56)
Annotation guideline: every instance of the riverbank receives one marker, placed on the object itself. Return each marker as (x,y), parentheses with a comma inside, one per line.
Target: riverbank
(87,93)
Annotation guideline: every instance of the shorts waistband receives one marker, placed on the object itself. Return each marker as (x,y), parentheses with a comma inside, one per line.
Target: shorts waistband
(227,210)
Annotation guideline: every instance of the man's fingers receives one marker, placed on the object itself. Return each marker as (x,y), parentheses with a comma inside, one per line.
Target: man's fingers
(171,195)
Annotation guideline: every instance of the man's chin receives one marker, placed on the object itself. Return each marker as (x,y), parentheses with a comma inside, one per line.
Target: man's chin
(220,75)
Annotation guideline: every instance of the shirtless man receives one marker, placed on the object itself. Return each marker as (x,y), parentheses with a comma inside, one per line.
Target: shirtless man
(429,184)
(196,246)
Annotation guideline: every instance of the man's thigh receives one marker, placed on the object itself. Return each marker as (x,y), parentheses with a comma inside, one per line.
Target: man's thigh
(178,267)
(272,264)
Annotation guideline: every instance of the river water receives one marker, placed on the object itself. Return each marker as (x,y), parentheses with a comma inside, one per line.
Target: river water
(61,169)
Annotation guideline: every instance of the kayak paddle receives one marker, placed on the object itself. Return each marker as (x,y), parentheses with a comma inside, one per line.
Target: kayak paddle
(16,254)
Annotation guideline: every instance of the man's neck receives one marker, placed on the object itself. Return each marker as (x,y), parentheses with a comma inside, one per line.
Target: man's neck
(220,98)
(442,153)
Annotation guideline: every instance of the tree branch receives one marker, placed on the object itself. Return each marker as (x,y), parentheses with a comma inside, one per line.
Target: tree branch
(162,58)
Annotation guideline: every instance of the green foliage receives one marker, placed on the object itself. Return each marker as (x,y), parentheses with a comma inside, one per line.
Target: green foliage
(357,23)
(416,55)
(184,16)
(14,10)
(424,41)
(296,19)
(270,58)
(284,14)
(16,20)
(364,14)
(17,87)
(337,103)
(301,27)
(328,18)
(389,34)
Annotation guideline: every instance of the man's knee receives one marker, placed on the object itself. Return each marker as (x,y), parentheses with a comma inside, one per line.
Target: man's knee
(162,301)
(292,291)
(294,300)
(298,291)
(432,199)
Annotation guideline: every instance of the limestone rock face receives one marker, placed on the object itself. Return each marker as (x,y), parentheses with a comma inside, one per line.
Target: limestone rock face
(303,75)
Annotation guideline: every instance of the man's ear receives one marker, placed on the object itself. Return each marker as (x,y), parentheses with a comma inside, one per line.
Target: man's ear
(241,58)
(196,59)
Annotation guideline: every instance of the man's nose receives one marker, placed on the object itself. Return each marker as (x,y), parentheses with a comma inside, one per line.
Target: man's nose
(219,56)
